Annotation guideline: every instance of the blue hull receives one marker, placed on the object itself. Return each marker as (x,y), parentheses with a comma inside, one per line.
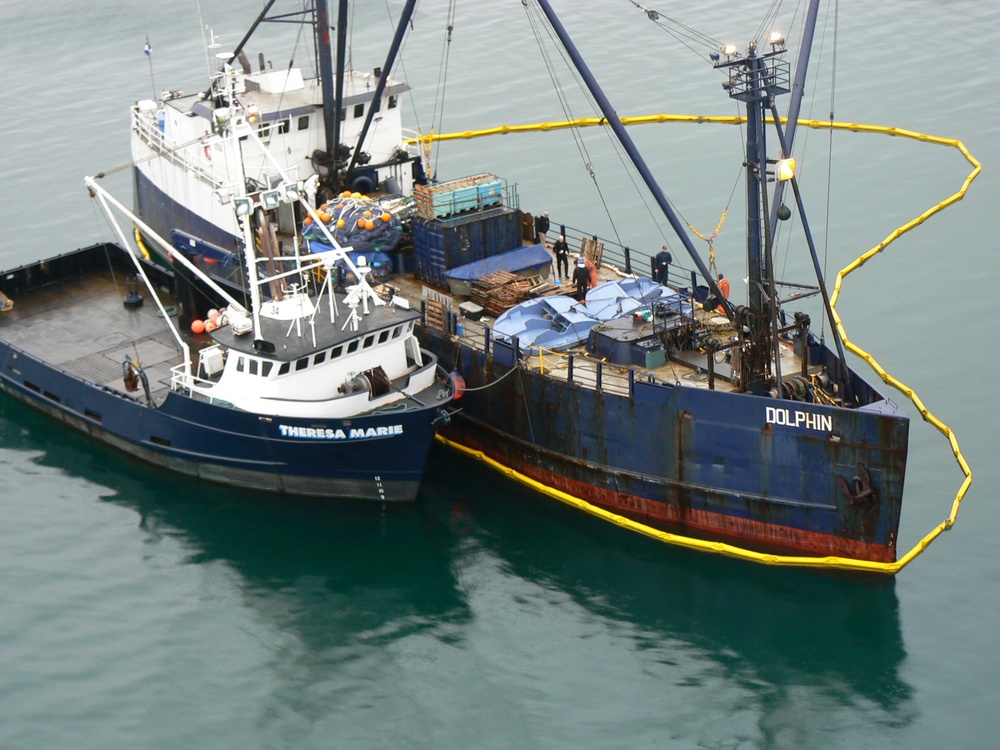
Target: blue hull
(754,471)
(379,457)
(54,356)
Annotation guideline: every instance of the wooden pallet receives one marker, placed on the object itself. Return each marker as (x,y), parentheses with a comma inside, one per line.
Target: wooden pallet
(502,290)
(436,314)
(592,249)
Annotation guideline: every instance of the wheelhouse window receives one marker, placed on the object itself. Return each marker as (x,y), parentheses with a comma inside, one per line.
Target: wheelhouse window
(352,347)
(319,358)
(359,111)
(369,340)
(285,367)
(304,122)
(383,337)
(302,364)
(283,126)
(393,101)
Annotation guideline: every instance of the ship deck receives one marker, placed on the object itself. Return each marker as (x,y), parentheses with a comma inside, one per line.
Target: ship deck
(81,325)
(690,368)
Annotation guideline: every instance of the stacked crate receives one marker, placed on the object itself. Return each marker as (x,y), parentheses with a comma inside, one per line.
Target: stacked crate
(455,197)
(501,290)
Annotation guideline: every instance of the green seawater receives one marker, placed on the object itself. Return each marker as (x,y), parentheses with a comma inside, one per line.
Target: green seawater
(139,609)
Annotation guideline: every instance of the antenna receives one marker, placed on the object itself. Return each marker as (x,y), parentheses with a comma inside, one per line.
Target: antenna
(149,55)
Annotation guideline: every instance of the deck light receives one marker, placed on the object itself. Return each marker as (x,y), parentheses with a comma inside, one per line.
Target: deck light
(292,191)
(777,39)
(785,169)
(270,199)
(244,206)
(729,50)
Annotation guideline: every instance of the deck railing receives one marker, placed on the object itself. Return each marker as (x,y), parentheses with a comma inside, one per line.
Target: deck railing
(578,369)
(628,260)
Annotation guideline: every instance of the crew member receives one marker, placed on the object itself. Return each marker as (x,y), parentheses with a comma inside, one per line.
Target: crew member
(541,227)
(561,249)
(661,266)
(591,269)
(581,279)
(723,284)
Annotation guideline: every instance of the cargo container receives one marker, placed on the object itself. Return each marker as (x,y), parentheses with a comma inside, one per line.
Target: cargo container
(443,244)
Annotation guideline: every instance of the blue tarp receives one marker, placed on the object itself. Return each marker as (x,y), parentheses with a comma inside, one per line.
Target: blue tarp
(560,323)
(513,261)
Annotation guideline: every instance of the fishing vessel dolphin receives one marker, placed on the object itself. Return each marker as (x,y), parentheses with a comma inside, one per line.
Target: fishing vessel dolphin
(717,421)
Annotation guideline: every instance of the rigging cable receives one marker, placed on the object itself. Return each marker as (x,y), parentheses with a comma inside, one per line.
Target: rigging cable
(689,37)
(829,156)
(536,23)
(437,116)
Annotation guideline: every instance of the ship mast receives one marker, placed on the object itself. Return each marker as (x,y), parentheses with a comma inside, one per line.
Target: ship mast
(754,79)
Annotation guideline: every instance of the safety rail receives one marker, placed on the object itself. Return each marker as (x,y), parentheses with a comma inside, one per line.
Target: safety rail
(830,562)
(183,382)
(573,367)
(627,260)
(150,133)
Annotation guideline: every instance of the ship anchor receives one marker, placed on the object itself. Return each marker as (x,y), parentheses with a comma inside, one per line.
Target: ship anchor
(860,490)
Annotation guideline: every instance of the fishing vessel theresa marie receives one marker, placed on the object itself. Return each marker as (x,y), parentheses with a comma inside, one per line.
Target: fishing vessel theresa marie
(309,383)
(664,404)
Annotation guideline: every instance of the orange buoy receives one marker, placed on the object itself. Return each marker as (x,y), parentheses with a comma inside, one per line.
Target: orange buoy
(210,326)
(457,384)
(387,217)
(197,326)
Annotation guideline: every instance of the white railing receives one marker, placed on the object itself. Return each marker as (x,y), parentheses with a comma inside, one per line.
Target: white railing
(148,130)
